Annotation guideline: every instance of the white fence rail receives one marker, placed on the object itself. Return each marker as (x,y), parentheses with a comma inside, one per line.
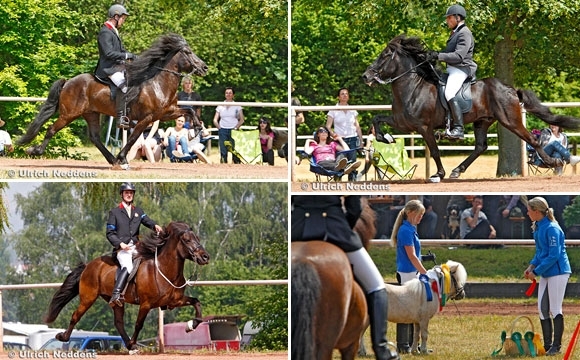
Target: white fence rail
(160,319)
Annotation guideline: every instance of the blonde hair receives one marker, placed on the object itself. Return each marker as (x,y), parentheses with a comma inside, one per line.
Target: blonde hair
(411,206)
(540,204)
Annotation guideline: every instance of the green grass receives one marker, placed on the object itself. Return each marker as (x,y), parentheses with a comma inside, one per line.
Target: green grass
(482,265)
(456,336)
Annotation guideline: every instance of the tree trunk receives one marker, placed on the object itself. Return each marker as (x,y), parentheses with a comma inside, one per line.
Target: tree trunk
(510,150)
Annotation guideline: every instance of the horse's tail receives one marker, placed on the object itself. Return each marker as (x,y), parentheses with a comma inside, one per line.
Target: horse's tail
(534,106)
(68,291)
(305,295)
(47,109)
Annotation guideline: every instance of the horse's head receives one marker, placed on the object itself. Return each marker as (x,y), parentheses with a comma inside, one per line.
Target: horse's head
(458,280)
(188,245)
(191,63)
(401,56)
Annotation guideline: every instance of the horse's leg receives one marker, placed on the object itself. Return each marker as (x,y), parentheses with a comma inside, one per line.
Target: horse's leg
(86,301)
(119,320)
(480,132)
(59,124)
(143,311)
(95,136)
(429,138)
(137,131)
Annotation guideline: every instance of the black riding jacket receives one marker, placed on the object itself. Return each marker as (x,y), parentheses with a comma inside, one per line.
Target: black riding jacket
(122,228)
(321,217)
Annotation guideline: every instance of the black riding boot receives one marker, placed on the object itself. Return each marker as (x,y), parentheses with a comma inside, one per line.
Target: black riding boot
(404,338)
(558,332)
(120,282)
(121,108)
(457,128)
(377,306)
(547,333)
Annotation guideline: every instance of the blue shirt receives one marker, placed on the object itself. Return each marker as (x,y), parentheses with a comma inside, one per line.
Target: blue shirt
(551,258)
(407,236)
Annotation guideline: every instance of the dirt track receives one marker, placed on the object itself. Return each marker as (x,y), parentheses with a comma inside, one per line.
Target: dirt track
(75,170)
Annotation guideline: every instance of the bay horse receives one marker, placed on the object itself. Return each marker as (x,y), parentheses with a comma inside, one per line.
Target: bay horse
(158,283)
(153,80)
(329,308)
(416,107)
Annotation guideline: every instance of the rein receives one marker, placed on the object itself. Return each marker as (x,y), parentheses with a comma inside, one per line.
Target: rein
(165,277)
(180,75)
(391,80)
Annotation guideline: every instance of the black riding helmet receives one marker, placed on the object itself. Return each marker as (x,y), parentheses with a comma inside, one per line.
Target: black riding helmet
(456,10)
(126,186)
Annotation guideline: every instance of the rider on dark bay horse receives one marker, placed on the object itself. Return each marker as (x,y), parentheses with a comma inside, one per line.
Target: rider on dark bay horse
(122,232)
(112,57)
(322,217)
(458,55)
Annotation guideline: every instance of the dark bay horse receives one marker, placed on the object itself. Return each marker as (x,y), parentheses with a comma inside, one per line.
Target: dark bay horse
(416,107)
(158,283)
(153,80)
(329,308)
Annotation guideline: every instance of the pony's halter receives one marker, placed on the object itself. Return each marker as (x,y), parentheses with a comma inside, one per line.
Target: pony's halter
(458,289)
(391,80)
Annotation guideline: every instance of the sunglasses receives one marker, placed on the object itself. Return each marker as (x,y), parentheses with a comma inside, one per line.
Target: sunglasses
(322,131)
(263,122)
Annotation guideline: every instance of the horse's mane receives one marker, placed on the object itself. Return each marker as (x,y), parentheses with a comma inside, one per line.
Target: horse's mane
(151,241)
(365,226)
(414,48)
(151,61)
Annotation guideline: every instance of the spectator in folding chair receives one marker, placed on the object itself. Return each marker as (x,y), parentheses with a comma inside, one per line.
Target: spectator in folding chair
(474,223)
(555,144)
(324,151)
(226,119)
(266,140)
(195,146)
(174,136)
(148,146)
(346,125)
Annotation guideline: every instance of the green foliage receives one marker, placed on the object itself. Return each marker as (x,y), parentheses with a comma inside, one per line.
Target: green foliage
(242,225)
(571,213)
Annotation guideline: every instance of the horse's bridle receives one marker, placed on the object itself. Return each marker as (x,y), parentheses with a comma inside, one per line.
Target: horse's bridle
(391,80)
(191,252)
(458,289)
(180,75)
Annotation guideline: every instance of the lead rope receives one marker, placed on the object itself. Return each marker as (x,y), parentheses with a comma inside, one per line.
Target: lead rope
(165,277)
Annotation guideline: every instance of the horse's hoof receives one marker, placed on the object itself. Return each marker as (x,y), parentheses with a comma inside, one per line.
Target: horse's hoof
(134,352)
(435,179)
(124,166)
(454,175)
(61,337)
(192,325)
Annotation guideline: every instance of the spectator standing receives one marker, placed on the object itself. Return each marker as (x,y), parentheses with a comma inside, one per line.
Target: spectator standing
(345,123)
(427,228)
(5,141)
(187,94)
(226,119)
(551,264)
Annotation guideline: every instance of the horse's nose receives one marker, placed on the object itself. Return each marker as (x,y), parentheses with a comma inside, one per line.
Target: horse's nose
(205,257)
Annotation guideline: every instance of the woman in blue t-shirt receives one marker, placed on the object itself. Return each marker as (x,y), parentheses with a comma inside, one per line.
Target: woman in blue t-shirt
(409,266)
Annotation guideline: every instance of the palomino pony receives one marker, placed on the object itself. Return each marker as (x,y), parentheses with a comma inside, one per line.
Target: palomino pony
(159,281)
(329,309)
(408,302)
(416,107)
(153,80)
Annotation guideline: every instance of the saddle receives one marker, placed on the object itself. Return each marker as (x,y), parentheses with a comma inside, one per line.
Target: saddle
(464,94)
(107,81)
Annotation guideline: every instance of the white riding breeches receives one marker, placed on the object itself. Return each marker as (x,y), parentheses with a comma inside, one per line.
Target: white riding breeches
(118,79)
(454,82)
(125,257)
(365,271)
(551,295)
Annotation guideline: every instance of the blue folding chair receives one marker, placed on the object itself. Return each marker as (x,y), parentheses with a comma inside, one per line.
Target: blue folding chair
(331,175)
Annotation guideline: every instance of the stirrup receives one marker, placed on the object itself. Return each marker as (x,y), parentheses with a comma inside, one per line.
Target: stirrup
(116,299)
(124,122)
